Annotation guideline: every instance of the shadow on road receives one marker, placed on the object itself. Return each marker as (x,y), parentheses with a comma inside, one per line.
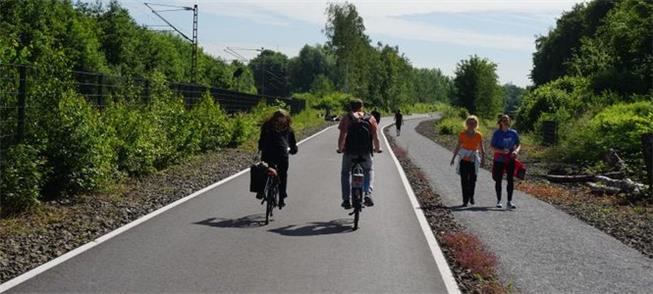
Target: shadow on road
(250,221)
(316,228)
(478,208)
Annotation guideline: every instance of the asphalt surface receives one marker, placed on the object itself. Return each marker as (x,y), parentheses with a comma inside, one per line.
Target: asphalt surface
(216,242)
(540,248)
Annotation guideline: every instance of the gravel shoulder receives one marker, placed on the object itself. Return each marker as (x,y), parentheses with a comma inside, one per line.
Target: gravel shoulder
(58,227)
(540,248)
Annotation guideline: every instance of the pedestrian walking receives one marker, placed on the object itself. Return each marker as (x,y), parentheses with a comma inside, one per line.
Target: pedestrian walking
(506,146)
(470,142)
(399,120)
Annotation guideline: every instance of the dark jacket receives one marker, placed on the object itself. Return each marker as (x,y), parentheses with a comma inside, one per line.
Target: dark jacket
(277,144)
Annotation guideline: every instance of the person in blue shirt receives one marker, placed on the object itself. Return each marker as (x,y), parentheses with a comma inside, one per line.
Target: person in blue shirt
(506,146)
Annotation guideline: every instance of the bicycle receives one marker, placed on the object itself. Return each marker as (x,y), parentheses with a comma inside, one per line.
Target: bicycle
(271,193)
(357,181)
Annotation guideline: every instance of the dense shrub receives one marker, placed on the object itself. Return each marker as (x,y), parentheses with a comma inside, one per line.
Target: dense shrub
(20,179)
(79,153)
(139,143)
(213,126)
(617,127)
(244,128)
(557,100)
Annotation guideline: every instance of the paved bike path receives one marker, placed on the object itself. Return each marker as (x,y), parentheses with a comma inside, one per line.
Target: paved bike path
(540,248)
(215,242)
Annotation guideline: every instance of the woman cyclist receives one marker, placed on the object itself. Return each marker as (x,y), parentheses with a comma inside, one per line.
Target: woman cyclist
(276,141)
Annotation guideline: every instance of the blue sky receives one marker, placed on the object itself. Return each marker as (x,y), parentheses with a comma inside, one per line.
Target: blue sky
(433,34)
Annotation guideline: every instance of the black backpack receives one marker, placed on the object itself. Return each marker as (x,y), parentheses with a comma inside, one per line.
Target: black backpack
(359,135)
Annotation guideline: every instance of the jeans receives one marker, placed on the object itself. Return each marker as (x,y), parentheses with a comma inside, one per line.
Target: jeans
(468,179)
(497,174)
(345,174)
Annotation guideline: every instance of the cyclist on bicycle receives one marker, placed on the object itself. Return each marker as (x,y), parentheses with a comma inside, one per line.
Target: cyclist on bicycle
(276,141)
(358,138)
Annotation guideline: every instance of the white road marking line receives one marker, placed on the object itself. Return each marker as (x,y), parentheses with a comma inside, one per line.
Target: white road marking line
(70,254)
(443,266)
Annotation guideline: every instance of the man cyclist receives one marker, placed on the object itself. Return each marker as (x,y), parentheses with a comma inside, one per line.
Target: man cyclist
(358,138)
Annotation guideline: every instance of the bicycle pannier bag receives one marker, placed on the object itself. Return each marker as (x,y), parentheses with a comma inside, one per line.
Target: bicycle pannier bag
(258,177)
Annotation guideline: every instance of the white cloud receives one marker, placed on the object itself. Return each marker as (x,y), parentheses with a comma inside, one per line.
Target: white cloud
(382,17)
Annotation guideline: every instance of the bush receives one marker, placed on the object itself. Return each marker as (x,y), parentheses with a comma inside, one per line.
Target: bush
(169,115)
(139,143)
(450,126)
(617,127)
(79,154)
(556,100)
(244,128)
(214,128)
(21,179)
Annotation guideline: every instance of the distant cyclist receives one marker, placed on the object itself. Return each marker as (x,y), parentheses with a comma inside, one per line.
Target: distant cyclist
(399,120)
(358,138)
(276,141)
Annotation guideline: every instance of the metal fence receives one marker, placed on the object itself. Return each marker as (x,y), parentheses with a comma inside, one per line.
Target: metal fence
(21,85)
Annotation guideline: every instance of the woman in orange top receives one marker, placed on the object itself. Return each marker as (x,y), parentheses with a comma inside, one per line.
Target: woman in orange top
(470,142)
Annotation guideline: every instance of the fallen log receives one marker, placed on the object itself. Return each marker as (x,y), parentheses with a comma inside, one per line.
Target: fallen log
(626,185)
(569,178)
(601,189)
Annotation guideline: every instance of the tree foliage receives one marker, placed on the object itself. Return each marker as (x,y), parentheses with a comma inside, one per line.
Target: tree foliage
(476,86)
(94,37)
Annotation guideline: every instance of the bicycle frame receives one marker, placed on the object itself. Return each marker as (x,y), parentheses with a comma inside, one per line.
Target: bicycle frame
(271,195)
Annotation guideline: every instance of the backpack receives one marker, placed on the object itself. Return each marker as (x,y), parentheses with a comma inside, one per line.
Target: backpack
(359,135)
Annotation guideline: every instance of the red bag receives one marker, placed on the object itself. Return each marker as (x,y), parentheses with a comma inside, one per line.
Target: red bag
(520,170)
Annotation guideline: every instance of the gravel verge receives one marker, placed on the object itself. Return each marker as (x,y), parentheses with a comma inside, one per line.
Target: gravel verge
(442,222)
(632,224)
(60,226)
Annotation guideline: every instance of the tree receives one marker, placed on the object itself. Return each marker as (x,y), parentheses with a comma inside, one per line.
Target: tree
(270,70)
(347,40)
(513,98)
(476,87)
(312,61)
(555,50)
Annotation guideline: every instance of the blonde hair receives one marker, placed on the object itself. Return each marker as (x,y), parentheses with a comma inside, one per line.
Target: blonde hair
(474,118)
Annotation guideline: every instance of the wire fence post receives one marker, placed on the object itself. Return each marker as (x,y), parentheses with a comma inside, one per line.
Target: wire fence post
(99,91)
(22,96)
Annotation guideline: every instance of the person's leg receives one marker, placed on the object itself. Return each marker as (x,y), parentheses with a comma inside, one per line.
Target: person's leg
(497,174)
(368,170)
(282,170)
(510,172)
(472,183)
(345,177)
(464,180)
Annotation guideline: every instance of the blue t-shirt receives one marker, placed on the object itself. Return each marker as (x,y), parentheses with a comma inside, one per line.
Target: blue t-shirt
(505,140)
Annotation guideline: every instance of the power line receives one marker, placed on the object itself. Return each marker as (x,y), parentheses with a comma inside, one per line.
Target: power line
(192,40)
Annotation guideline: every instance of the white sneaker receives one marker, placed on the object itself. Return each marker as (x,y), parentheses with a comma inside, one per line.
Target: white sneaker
(499,205)
(510,205)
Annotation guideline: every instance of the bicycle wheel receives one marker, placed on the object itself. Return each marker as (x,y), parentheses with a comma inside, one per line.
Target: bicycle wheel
(269,202)
(357,207)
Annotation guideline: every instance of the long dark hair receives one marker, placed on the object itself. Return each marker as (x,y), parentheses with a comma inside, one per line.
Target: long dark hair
(280,121)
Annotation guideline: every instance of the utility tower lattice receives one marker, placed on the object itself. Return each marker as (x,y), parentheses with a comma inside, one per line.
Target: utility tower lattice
(192,40)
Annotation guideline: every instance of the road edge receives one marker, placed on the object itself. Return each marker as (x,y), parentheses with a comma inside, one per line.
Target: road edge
(106,237)
(436,251)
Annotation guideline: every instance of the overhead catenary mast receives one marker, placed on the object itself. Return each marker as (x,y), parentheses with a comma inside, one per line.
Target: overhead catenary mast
(192,40)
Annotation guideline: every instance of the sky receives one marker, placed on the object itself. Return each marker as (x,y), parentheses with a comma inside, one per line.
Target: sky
(432,34)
